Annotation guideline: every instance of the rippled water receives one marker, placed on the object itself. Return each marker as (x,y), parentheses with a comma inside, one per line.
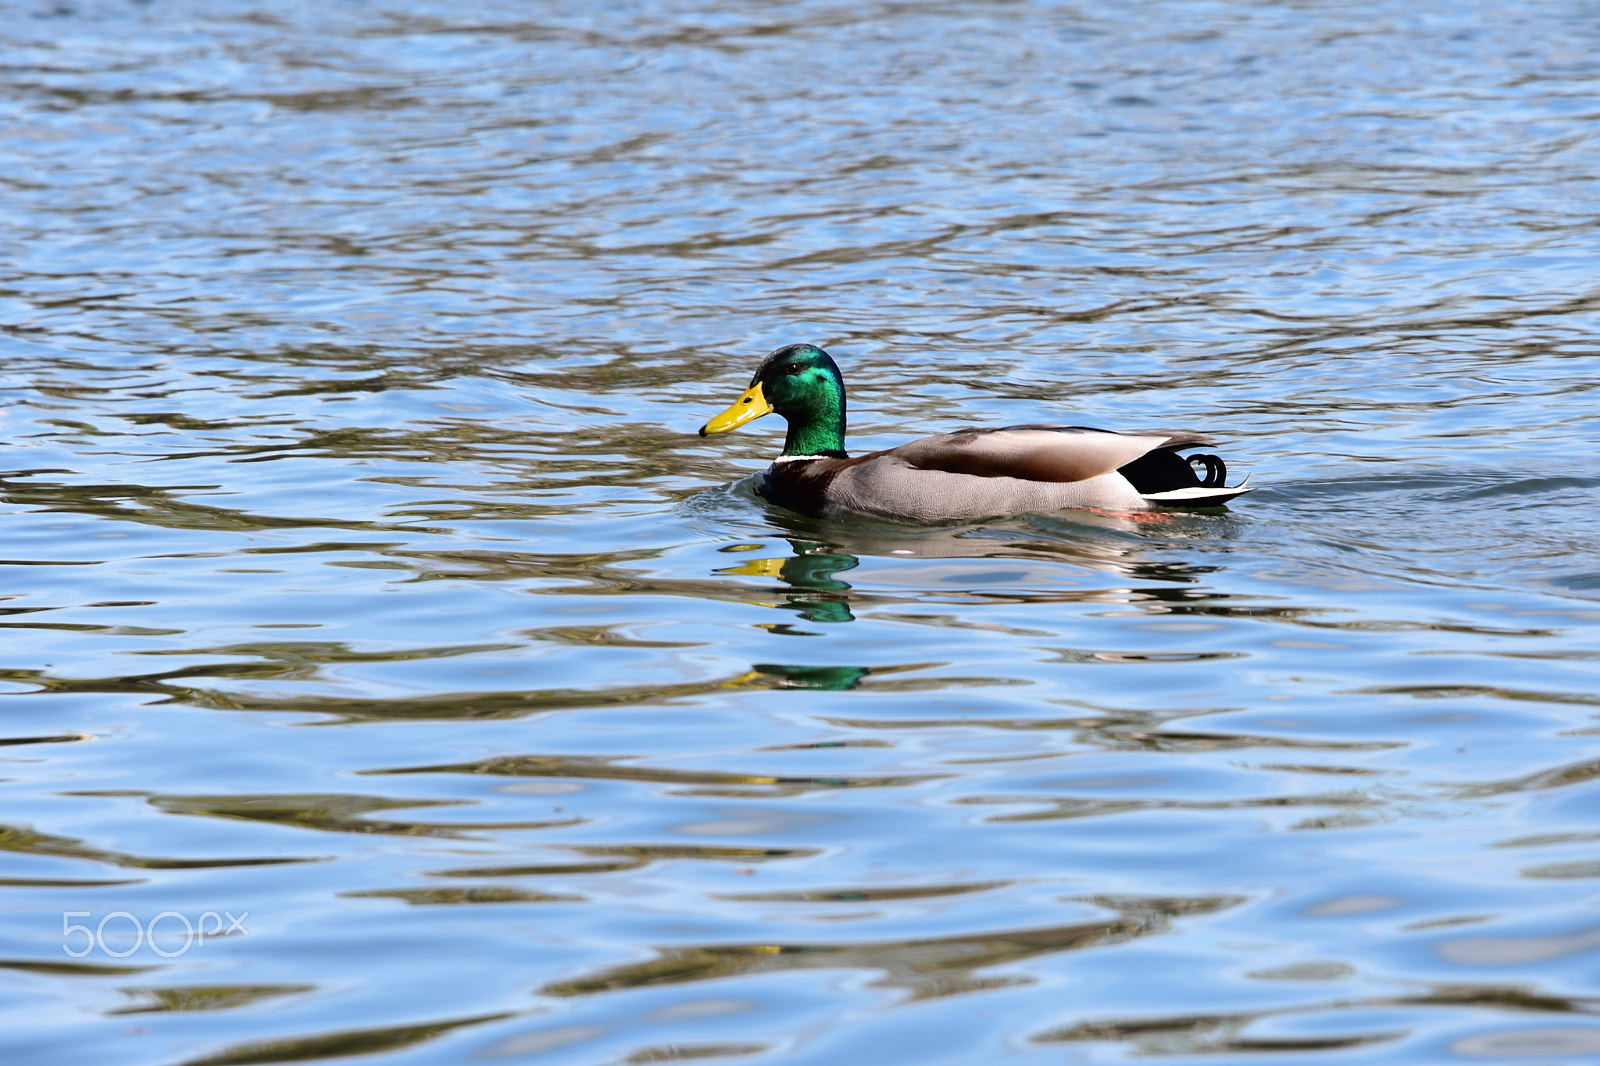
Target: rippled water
(366,584)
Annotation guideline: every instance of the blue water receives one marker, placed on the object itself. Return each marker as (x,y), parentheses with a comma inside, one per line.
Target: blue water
(378,630)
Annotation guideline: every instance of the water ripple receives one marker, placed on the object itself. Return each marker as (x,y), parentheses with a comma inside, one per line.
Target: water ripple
(366,578)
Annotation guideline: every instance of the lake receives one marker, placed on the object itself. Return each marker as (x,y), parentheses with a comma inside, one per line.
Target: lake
(392,675)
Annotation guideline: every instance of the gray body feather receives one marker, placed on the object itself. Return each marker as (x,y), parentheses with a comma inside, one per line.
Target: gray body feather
(986,473)
(883,489)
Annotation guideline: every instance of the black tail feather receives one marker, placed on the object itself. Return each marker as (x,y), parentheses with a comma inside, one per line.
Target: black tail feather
(1216,470)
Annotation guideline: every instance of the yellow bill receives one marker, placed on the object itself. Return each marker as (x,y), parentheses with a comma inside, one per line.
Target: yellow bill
(750,406)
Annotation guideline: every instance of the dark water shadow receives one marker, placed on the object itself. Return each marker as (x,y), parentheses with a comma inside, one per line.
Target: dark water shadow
(348,1042)
(328,812)
(1210,1034)
(925,968)
(690,782)
(28,842)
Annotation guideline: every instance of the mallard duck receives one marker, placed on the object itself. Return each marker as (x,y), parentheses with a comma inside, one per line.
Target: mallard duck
(961,476)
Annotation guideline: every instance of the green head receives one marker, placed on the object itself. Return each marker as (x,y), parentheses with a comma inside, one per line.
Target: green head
(802,383)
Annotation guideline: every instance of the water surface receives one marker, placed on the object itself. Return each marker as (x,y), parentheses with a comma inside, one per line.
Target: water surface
(366,583)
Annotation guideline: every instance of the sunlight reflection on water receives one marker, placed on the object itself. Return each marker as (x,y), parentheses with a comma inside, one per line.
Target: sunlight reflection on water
(365,574)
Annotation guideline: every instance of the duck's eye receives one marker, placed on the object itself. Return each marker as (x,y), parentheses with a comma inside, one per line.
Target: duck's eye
(792,369)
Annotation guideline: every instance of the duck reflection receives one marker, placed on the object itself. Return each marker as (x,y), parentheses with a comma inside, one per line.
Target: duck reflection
(818,596)
(1114,545)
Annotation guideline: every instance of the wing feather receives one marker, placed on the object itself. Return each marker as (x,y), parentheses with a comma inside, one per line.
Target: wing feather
(1037,453)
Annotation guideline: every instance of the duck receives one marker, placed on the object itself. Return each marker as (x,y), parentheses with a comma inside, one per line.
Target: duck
(963,476)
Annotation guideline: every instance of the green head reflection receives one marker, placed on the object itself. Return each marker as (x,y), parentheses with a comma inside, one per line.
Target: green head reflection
(818,595)
(824,678)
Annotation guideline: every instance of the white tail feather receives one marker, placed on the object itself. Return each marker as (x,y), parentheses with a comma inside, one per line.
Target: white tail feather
(1199,493)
